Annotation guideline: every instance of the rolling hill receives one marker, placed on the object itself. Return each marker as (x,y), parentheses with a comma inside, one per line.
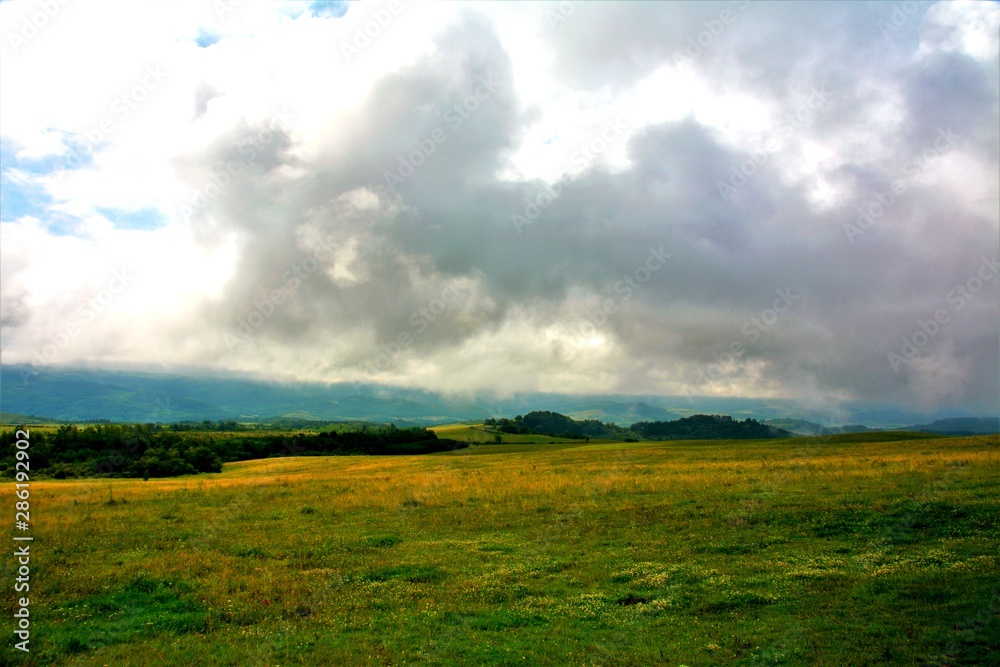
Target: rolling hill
(85,394)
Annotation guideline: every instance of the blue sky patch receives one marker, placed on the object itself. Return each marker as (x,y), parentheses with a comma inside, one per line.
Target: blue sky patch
(330,9)
(19,198)
(205,39)
(21,195)
(148,217)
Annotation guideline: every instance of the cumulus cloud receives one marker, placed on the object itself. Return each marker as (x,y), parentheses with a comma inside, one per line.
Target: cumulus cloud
(755,199)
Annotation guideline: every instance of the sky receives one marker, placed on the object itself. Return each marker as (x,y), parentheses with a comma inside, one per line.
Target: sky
(779,200)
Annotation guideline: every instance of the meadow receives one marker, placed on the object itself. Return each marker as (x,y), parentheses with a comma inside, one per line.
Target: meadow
(477,434)
(874,549)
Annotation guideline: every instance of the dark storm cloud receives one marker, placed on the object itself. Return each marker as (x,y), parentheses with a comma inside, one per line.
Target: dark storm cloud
(815,310)
(762,45)
(456,111)
(952,90)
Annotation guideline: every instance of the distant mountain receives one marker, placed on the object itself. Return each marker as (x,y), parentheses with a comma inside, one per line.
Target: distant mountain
(86,395)
(81,395)
(75,394)
(960,426)
(11,418)
(623,413)
(803,427)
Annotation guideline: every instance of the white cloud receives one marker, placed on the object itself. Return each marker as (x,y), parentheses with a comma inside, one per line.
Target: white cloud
(637,138)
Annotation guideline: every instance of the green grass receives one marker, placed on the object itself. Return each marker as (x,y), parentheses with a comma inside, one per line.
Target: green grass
(477,434)
(807,551)
(143,608)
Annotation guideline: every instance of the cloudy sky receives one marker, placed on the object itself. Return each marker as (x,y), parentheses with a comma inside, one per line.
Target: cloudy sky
(757,199)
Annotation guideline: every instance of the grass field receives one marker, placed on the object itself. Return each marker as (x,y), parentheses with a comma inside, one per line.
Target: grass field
(814,551)
(475,433)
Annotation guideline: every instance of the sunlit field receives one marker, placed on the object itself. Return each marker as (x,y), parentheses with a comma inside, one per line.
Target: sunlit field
(813,551)
(478,434)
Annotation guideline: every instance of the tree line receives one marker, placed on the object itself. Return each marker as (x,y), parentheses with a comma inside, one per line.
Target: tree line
(152,450)
(696,427)
(559,426)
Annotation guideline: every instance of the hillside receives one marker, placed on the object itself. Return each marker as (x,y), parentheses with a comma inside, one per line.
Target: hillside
(803,427)
(560,426)
(87,394)
(960,426)
(707,427)
(700,427)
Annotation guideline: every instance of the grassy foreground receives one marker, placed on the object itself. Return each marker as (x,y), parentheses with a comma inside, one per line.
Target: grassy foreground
(819,551)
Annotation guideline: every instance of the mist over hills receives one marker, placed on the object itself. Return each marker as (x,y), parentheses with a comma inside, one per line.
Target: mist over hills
(79,394)
(960,426)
